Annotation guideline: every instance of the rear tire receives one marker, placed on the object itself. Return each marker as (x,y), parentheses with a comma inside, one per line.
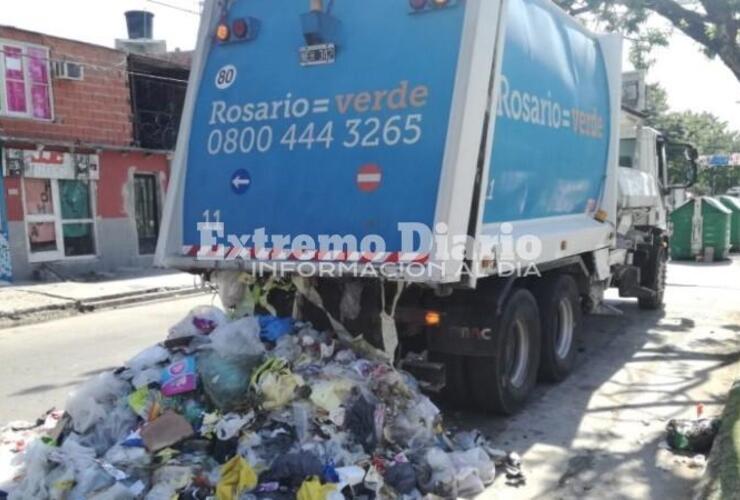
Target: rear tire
(502,384)
(560,317)
(653,276)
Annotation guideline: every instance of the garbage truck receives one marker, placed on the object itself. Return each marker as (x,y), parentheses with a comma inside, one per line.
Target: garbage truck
(449,183)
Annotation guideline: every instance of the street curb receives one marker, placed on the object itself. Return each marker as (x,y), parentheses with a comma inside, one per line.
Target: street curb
(77,307)
(721,480)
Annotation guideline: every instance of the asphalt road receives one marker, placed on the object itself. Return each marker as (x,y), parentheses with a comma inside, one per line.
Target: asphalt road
(41,363)
(599,434)
(596,435)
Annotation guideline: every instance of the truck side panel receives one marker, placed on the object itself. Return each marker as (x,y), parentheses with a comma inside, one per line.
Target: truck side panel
(552,134)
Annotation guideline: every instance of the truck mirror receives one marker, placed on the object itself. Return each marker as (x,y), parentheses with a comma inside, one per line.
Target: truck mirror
(682,167)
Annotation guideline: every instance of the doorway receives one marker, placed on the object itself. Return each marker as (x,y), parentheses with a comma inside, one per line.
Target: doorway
(146,200)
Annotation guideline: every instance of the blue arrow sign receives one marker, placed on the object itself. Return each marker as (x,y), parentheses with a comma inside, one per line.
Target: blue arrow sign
(241,181)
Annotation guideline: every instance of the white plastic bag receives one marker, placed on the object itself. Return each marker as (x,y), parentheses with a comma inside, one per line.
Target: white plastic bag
(116,492)
(469,484)
(146,377)
(202,320)
(117,423)
(37,467)
(90,477)
(238,338)
(148,358)
(91,402)
(127,457)
(231,288)
(443,469)
(167,480)
(477,459)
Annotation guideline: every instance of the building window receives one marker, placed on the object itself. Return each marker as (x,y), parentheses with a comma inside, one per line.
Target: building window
(25,81)
(59,218)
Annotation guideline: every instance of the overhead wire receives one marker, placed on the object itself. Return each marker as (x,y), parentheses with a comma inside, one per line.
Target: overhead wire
(175,7)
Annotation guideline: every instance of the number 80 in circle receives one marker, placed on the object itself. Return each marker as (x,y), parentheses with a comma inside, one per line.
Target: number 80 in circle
(225,77)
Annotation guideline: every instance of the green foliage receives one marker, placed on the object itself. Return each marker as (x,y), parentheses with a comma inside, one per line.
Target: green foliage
(705,131)
(714,24)
(656,104)
(642,47)
(709,135)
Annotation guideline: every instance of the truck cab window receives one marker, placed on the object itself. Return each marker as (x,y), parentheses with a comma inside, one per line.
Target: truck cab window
(627,149)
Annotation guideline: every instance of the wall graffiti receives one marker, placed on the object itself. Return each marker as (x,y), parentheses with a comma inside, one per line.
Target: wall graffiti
(5,269)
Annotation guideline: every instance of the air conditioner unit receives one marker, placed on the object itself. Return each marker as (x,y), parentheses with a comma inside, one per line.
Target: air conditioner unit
(65,70)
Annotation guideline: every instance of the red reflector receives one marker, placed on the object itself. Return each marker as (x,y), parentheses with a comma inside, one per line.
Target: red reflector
(240,28)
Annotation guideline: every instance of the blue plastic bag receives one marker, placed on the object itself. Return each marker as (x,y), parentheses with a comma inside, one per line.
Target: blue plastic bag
(272,327)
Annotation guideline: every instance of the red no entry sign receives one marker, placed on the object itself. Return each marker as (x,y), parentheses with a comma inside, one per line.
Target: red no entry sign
(369,177)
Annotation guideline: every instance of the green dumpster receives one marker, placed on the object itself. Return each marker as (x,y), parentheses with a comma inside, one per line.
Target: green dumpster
(701,228)
(681,218)
(733,203)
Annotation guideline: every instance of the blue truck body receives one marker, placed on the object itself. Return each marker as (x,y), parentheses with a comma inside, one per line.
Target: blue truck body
(547,161)
(366,115)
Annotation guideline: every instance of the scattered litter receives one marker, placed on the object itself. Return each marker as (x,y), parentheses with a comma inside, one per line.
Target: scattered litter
(513,467)
(179,378)
(693,436)
(698,461)
(165,431)
(256,407)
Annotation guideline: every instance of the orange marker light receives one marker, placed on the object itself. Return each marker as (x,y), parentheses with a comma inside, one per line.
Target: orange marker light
(223,32)
(432,318)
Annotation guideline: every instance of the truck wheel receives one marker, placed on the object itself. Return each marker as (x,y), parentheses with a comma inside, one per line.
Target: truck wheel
(501,384)
(456,393)
(653,276)
(560,318)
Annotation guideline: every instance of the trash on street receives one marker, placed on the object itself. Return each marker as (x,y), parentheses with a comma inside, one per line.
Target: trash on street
(256,407)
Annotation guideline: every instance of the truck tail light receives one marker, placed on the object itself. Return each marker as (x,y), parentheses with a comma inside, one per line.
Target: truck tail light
(440,3)
(223,33)
(418,4)
(432,318)
(240,28)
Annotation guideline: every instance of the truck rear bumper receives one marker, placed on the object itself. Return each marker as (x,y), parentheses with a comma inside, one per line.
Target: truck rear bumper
(462,330)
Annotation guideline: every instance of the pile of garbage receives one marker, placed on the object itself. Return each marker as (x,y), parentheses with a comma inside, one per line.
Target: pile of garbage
(257,407)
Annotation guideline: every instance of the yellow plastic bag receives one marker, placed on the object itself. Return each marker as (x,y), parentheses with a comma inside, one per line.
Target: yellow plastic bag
(279,389)
(312,489)
(237,476)
(276,383)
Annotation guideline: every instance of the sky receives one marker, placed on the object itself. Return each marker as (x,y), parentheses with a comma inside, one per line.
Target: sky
(693,81)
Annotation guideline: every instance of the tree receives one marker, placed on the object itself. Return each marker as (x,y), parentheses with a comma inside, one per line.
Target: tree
(709,135)
(714,24)
(656,105)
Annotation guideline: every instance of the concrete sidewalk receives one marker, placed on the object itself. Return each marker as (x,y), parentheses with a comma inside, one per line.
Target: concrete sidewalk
(25,303)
